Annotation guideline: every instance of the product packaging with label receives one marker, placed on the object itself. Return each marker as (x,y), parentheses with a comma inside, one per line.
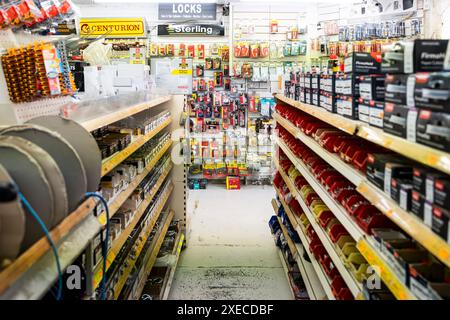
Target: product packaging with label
(347,106)
(417,56)
(371,87)
(433,129)
(381,168)
(432,91)
(440,222)
(429,281)
(401,192)
(417,204)
(396,119)
(396,88)
(363,63)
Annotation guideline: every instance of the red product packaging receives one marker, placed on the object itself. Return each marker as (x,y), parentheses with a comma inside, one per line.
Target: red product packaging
(254,50)
(191,51)
(245,50)
(264,50)
(50,8)
(182,50)
(201,51)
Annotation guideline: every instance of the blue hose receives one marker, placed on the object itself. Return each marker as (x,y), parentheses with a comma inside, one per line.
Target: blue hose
(105,242)
(50,240)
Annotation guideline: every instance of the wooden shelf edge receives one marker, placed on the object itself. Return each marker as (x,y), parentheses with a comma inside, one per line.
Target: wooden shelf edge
(24,262)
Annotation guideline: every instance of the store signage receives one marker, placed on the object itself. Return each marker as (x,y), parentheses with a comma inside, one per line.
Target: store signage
(191,30)
(64,28)
(184,11)
(112,27)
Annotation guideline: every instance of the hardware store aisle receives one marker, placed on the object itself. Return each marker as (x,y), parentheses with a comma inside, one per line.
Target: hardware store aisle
(231,253)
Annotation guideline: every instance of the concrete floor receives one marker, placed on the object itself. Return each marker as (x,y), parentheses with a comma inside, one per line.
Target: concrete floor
(231,253)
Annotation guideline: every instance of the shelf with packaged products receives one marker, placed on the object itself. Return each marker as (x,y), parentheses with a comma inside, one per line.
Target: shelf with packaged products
(335,120)
(433,158)
(390,279)
(414,227)
(151,256)
(313,276)
(125,194)
(33,272)
(119,242)
(354,286)
(144,234)
(335,161)
(406,221)
(179,242)
(286,270)
(340,213)
(117,158)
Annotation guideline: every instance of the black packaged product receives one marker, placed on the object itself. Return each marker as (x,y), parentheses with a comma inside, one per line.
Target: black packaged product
(382,168)
(328,101)
(419,179)
(371,87)
(315,97)
(398,58)
(432,91)
(376,112)
(417,204)
(308,80)
(417,56)
(395,88)
(347,106)
(364,112)
(433,129)
(429,55)
(433,185)
(396,119)
(348,85)
(440,222)
(289,89)
(441,192)
(308,96)
(297,92)
(363,63)
(401,192)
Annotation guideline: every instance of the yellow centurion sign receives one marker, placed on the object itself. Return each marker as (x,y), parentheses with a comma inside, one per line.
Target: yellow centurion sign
(112,27)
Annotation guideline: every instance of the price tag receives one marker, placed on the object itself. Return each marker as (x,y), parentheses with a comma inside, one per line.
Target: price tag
(428,214)
(102,219)
(411,126)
